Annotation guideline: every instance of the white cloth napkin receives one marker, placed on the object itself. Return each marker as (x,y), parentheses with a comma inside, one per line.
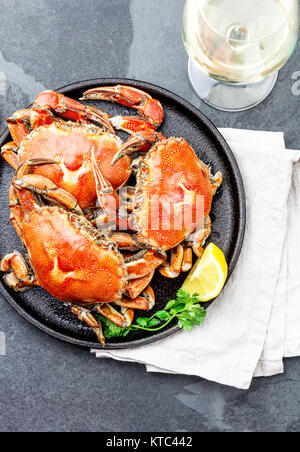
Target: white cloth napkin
(255,323)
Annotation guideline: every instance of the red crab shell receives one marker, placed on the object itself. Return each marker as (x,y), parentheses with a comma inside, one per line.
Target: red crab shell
(67,260)
(71,145)
(173,171)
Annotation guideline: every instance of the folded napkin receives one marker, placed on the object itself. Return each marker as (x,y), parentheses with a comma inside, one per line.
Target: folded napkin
(255,322)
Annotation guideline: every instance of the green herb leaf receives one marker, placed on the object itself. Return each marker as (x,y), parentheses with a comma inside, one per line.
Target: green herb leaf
(163,315)
(142,321)
(183,296)
(170,305)
(111,330)
(177,308)
(194,315)
(153,322)
(185,325)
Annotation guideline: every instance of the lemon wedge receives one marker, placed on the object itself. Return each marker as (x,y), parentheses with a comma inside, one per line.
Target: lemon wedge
(209,274)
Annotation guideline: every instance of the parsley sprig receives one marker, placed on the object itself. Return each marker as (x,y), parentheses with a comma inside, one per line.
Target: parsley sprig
(186,309)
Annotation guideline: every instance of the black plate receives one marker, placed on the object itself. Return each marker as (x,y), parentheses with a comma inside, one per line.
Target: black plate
(228,216)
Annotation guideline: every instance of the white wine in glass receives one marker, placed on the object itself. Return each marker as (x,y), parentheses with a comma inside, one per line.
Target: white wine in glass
(236,48)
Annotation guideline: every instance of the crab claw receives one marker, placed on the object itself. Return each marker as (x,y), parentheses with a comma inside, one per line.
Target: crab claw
(107,196)
(140,142)
(71,110)
(151,109)
(22,122)
(40,185)
(26,167)
(131,124)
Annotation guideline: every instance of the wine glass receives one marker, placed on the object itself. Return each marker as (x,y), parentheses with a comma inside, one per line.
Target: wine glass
(237,47)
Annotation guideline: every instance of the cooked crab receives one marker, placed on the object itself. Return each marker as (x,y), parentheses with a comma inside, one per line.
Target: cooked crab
(170,204)
(71,259)
(38,133)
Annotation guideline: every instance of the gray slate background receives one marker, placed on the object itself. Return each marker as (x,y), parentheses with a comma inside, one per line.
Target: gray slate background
(46,385)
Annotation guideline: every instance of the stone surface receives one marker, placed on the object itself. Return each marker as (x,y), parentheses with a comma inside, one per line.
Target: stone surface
(50,386)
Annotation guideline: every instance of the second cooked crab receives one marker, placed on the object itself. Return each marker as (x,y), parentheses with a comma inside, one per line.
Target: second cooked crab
(71,259)
(169,206)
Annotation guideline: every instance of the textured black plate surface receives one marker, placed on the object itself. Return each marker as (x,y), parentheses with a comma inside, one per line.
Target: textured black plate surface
(228,216)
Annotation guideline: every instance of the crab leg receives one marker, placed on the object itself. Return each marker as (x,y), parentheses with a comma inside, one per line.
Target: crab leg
(173,269)
(182,258)
(127,195)
(198,238)
(17,215)
(216,182)
(71,110)
(127,242)
(18,278)
(199,251)
(187,261)
(143,263)
(150,109)
(144,303)
(128,315)
(107,196)
(10,153)
(85,316)
(107,224)
(108,199)
(122,320)
(136,286)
